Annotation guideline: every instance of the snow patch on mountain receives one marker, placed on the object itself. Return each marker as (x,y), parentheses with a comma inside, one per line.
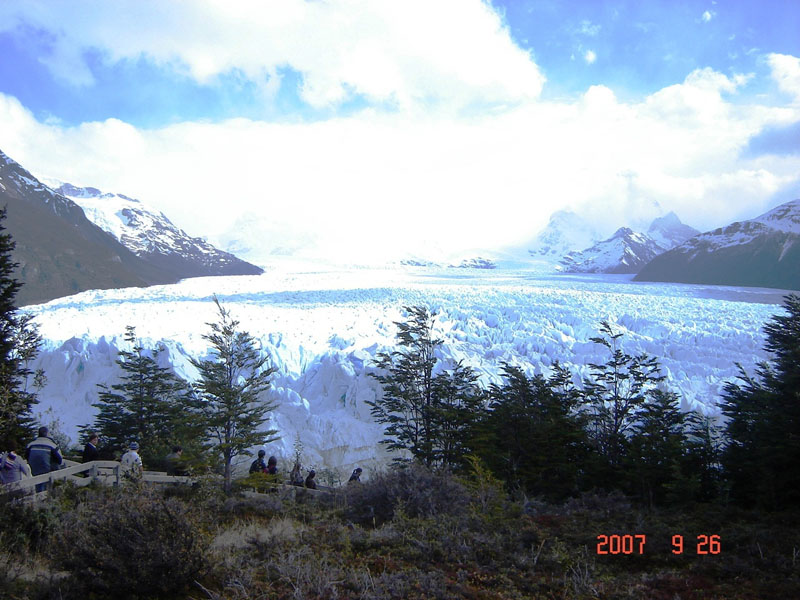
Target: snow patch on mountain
(668,231)
(625,252)
(565,232)
(148,233)
(628,251)
(785,217)
(140,228)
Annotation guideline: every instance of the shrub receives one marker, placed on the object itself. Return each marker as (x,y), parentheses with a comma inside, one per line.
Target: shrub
(420,491)
(25,525)
(130,544)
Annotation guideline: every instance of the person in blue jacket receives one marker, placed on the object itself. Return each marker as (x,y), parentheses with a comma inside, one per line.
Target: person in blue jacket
(43,456)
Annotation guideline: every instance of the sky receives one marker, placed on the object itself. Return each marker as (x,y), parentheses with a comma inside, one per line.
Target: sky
(384,128)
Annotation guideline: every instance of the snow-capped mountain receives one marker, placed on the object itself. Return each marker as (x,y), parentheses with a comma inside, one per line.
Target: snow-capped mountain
(628,251)
(668,231)
(761,252)
(58,250)
(624,252)
(566,232)
(149,234)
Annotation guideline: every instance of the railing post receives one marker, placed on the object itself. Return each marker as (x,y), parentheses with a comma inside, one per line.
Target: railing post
(93,472)
(117,473)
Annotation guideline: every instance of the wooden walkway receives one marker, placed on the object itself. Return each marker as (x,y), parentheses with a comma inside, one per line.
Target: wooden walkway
(110,472)
(107,472)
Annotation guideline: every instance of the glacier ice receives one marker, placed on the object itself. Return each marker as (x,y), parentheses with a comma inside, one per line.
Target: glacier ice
(322,328)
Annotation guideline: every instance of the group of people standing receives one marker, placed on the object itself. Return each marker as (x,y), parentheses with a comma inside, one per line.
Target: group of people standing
(296,475)
(41,456)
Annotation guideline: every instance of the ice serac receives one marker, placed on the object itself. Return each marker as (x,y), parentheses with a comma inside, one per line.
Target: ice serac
(149,234)
(323,330)
(760,252)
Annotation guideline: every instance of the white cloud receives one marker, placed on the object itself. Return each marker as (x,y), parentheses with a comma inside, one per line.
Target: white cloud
(786,72)
(708,15)
(589,29)
(590,57)
(454,52)
(376,184)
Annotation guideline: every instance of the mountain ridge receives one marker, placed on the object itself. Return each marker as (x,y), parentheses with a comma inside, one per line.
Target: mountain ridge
(760,252)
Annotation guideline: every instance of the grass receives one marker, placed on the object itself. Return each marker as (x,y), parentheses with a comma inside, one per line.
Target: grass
(411,535)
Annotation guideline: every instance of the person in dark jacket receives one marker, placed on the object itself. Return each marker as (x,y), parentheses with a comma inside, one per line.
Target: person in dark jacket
(43,456)
(272,466)
(310,483)
(90,451)
(356,476)
(175,463)
(259,466)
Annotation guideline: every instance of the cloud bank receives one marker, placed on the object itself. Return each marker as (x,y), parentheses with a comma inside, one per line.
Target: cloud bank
(467,155)
(396,52)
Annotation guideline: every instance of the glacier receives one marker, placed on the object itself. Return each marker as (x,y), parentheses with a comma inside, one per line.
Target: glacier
(323,325)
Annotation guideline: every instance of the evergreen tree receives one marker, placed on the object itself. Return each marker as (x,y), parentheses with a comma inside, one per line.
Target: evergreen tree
(150,405)
(658,445)
(406,376)
(703,456)
(532,436)
(455,412)
(762,457)
(430,416)
(612,395)
(230,392)
(19,344)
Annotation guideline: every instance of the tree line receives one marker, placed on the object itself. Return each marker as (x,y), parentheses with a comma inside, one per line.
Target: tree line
(622,429)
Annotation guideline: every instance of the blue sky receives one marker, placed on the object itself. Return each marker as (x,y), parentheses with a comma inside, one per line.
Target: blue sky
(607,107)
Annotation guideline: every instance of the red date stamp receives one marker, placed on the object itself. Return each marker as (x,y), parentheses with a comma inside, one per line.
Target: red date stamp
(635,544)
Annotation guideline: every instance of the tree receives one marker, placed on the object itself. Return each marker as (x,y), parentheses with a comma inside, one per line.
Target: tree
(19,344)
(762,456)
(532,436)
(428,415)
(613,394)
(658,446)
(151,405)
(454,413)
(408,390)
(230,392)
(703,456)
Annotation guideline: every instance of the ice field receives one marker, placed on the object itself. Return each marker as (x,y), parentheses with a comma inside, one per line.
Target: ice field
(322,327)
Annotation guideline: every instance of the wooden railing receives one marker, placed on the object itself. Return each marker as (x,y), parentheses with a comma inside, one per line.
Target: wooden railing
(108,472)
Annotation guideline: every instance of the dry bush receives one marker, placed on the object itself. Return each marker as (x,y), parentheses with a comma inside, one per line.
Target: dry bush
(244,535)
(420,492)
(130,544)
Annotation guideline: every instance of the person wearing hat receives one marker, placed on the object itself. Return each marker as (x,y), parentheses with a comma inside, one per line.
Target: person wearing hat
(131,461)
(13,468)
